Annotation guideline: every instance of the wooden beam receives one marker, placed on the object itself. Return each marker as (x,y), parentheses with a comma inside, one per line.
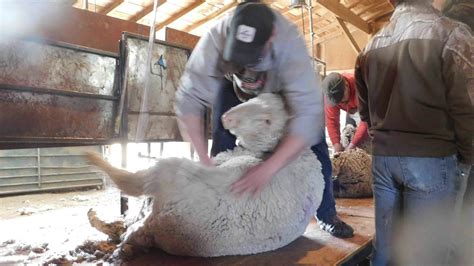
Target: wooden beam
(110,7)
(353,4)
(367,8)
(349,36)
(378,14)
(346,14)
(146,10)
(210,17)
(179,14)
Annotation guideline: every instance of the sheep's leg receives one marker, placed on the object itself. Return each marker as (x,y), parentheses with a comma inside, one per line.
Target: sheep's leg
(137,239)
(113,229)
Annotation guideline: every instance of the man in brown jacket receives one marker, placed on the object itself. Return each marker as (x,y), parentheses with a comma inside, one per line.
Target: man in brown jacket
(413,82)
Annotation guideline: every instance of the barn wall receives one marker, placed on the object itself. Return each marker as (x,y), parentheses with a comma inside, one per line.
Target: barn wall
(181,38)
(68,24)
(338,53)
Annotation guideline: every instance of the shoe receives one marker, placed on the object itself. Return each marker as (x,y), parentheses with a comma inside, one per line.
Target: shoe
(337,228)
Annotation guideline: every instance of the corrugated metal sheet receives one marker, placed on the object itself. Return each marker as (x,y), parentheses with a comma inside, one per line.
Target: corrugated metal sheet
(56,93)
(167,65)
(43,169)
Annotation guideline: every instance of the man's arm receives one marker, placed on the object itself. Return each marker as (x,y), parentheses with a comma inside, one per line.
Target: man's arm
(458,72)
(362,91)
(198,88)
(334,127)
(360,133)
(258,176)
(193,126)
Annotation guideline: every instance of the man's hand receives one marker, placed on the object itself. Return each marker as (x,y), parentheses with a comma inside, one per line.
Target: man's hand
(254,180)
(350,147)
(257,177)
(206,160)
(338,147)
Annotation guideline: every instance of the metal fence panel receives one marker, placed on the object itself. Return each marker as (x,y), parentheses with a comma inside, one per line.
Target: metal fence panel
(43,169)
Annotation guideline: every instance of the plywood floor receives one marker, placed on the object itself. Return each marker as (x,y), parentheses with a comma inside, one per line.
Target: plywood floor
(315,247)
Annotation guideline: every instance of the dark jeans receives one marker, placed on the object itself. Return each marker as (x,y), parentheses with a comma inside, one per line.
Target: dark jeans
(223,140)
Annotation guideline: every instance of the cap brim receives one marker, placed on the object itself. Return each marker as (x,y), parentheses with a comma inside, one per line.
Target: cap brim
(241,53)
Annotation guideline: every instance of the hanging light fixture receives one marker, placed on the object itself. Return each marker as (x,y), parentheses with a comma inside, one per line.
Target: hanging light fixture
(309,7)
(297,3)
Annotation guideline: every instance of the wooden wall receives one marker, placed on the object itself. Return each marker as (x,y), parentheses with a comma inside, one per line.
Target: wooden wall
(67,24)
(338,53)
(181,38)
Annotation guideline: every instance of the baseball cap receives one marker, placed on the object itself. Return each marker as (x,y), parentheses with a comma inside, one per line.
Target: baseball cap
(250,29)
(333,88)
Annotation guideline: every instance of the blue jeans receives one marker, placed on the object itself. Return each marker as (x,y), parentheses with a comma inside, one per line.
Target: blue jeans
(223,140)
(415,202)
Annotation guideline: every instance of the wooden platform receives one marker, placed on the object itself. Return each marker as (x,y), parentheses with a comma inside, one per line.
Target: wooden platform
(315,247)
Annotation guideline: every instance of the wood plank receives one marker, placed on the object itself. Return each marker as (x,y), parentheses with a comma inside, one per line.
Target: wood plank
(181,38)
(81,27)
(146,10)
(110,7)
(345,14)
(315,247)
(210,17)
(179,14)
(348,35)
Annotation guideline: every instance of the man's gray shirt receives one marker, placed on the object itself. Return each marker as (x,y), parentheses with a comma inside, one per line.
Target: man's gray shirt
(289,72)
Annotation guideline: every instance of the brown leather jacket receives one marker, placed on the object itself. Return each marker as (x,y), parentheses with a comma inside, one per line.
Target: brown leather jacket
(413,80)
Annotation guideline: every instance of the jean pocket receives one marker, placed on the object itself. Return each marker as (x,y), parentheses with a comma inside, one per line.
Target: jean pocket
(425,174)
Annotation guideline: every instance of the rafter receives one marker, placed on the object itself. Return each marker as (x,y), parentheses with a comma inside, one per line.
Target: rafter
(146,10)
(210,17)
(379,14)
(346,14)
(179,14)
(110,7)
(349,36)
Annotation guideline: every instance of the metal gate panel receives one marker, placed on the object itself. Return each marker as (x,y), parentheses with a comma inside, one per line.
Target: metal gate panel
(167,65)
(53,93)
(43,169)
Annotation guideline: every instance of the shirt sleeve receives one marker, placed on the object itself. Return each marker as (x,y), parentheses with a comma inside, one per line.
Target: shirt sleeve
(333,123)
(302,90)
(362,92)
(458,73)
(360,133)
(202,76)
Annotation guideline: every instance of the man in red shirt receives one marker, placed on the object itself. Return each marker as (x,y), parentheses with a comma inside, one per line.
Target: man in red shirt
(340,94)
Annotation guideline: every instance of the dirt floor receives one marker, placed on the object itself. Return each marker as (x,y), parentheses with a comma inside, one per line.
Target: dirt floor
(39,227)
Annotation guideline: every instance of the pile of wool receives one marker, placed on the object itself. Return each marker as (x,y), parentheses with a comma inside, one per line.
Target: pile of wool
(352,172)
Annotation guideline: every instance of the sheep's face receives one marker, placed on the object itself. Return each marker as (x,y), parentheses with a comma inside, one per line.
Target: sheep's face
(259,123)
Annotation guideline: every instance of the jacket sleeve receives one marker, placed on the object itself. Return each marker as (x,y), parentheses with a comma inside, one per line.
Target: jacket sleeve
(333,123)
(202,76)
(362,92)
(458,73)
(302,90)
(360,133)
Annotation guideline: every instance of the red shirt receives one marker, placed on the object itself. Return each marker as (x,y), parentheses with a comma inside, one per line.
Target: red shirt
(333,115)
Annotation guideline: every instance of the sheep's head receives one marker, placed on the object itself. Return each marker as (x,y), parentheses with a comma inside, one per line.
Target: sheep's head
(259,123)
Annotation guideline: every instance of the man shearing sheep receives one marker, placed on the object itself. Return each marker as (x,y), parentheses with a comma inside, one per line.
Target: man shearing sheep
(252,51)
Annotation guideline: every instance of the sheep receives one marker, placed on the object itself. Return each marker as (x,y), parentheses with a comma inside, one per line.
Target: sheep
(193,212)
(353,175)
(348,133)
